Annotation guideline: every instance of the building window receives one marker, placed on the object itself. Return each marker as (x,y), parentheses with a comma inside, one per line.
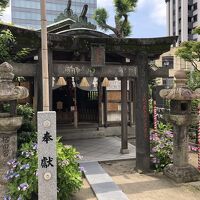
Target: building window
(168,61)
(189,7)
(189,31)
(195,6)
(195,18)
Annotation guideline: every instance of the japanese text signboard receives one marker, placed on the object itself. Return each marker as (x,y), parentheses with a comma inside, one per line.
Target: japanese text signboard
(47,165)
(97,55)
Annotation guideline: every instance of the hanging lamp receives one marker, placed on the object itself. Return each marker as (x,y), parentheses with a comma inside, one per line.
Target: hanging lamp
(84,82)
(105,82)
(61,81)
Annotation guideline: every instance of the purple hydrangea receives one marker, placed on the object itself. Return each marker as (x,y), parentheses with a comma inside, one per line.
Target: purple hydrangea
(19,198)
(82,169)
(35,146)
(25,166)
(23,186)
(7,197)
(12,163)
(27,154)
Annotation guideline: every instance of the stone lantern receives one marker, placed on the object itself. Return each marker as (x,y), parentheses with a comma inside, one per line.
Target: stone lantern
(9,122)
(180,116)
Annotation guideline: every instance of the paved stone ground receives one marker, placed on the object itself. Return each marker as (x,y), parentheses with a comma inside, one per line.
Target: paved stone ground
(1,191)
(154,186)
(101,183)
(101,149)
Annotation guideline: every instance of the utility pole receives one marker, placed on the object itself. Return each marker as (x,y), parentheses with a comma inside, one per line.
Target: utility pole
(45,73)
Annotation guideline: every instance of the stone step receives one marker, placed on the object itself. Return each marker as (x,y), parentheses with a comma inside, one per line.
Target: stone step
(92,132)
(101,183)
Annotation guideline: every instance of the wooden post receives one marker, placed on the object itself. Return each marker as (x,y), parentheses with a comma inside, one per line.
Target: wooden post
(134,100)
(38,82)
(124,115)
(50,71)
(35,95)
(100,95)
(105,107)
(130,102)
(142,115)
(45,73)
(75,109)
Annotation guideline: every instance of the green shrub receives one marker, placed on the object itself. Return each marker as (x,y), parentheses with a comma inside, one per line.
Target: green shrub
(27,131)
(22,176)
(161,146)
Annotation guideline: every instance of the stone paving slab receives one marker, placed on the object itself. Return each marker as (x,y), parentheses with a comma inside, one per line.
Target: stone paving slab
(101,183)
(101,149)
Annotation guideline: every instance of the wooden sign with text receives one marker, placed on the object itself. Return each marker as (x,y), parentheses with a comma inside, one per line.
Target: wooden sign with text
(97,55)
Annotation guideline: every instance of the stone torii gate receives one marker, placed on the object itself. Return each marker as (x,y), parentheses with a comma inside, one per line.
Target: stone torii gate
(84,52)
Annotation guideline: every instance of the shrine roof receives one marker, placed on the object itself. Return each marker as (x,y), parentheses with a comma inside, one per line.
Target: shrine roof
(82,38)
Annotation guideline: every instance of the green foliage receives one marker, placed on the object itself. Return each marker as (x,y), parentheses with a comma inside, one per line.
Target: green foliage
(3,5)
(190,51)
(8,51)
(22,176)
(26,133)
(7,41)
(101,17)
(161,146)
(193,79)
(122,25)
(123,7)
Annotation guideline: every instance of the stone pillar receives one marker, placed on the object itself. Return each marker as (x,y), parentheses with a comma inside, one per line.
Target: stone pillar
(177,13)
(180,155)
(171,18)
(168,16)
(124,115)
(8,145)
(184,20)
(142,115)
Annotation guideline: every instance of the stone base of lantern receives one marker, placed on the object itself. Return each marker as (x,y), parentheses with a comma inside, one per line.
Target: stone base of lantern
(182,174)
(8,149)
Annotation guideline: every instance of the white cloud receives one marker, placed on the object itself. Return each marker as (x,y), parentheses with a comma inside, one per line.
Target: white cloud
(158,13)
(104,3)
(141,3)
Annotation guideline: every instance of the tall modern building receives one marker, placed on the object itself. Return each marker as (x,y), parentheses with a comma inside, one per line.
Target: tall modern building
(182,17)
(27,12)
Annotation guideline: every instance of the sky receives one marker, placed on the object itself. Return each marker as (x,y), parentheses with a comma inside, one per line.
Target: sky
(148,20)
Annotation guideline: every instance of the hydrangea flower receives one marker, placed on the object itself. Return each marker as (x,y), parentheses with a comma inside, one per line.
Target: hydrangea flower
(25,166)
(82,169)
(35,146)
(12,163)
(65,163)
(27,154)
(19,198)
(23,187)
(11,174)
(6,197)
(36,172)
